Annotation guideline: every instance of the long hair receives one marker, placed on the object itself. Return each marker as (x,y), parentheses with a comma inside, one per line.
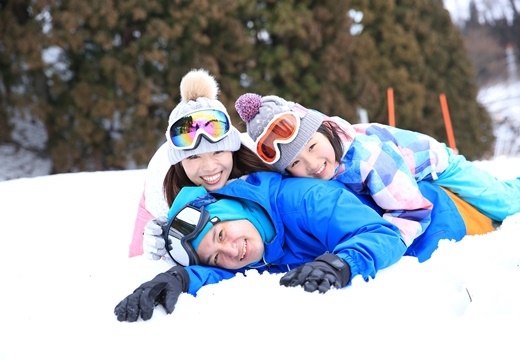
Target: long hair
(245,162)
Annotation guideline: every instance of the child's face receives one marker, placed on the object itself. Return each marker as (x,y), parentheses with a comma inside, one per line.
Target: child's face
(231,244)
(316,160)
(210,170)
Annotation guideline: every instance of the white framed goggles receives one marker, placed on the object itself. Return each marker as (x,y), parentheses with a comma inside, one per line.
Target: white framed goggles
(186,132)
(182,229)
(282,129)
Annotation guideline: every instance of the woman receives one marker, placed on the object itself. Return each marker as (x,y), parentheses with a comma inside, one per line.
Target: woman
(202,148)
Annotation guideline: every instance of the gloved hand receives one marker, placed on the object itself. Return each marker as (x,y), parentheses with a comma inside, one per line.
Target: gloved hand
(324,272)
(153,242)
(164,289)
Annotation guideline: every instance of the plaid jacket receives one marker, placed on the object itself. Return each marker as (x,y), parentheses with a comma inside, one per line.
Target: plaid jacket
(386,163)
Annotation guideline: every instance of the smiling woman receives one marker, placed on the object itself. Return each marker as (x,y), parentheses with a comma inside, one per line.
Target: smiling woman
(202,148)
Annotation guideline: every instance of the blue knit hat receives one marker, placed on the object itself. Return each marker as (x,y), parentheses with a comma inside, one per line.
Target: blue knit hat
(224,210)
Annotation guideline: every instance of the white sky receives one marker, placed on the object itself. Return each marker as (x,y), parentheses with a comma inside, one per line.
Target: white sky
(64,266)
(459,9)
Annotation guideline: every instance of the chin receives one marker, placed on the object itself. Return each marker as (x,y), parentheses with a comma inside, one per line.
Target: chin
(215,186)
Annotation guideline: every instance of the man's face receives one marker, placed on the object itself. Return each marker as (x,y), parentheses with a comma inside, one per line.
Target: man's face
(231,245)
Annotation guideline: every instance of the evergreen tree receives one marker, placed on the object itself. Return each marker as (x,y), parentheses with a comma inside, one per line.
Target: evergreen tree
(421,55)
(121,64)
(487,34)
(21,69)
(106,97)
(308,51)
(304,51)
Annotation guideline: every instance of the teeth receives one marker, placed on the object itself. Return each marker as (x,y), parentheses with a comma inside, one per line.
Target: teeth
(320,170)
(244,250)
(212,178)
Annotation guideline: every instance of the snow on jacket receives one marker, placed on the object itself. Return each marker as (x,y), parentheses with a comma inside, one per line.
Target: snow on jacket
(312,217)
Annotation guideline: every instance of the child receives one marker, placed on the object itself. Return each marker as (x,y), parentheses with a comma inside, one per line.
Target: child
(319,232)
(202,148)
(374,159)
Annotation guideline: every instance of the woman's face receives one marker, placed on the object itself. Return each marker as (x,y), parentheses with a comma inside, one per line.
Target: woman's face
(316,160)
(210,170)
(232,244)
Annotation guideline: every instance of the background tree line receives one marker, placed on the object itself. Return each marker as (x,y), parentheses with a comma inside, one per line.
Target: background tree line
(101,77)
(486,37)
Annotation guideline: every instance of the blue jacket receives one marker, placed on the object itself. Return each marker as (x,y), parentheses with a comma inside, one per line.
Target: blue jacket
(313,216)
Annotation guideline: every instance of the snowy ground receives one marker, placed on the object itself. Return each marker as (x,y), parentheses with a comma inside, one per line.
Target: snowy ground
(64,266)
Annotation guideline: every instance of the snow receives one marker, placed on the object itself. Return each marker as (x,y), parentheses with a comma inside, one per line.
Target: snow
(64,267)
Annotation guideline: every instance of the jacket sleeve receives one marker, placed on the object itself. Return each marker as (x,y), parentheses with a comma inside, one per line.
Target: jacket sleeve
(352,230)
(205,275)
(142,217)
(378,169)
(153,203)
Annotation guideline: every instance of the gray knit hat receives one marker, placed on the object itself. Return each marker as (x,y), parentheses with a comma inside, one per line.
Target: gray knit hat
(199,91)
(257,111)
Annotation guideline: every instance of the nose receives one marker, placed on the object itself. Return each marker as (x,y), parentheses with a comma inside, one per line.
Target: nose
(208,164)
(308,161)
(229,249)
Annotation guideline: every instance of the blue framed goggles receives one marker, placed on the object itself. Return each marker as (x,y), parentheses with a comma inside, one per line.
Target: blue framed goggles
(186,132)
(182,229)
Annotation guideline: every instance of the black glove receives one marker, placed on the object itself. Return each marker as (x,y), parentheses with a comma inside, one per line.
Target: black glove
(325,271)
(164,289)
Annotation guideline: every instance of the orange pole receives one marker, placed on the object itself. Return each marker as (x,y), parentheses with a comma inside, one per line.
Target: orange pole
(391,114)
(447,122)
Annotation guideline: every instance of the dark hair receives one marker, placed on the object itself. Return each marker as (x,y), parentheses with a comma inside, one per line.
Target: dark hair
(334,133)
(245,162)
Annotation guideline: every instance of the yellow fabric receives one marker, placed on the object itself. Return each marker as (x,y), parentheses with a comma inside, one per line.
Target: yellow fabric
(476,222)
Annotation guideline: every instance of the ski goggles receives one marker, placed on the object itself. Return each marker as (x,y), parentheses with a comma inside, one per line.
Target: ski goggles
(186,132)
(280,130)
(180,232)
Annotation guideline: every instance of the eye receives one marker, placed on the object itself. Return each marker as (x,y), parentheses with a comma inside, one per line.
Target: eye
(295,163)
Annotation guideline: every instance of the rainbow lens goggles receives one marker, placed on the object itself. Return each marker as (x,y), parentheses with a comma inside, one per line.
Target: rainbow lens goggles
(280,130)
(186,132)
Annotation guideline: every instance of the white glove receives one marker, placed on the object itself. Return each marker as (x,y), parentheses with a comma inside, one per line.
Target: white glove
(153,242)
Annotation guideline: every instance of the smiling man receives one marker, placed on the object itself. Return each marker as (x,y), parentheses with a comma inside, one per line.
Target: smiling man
(318,232)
